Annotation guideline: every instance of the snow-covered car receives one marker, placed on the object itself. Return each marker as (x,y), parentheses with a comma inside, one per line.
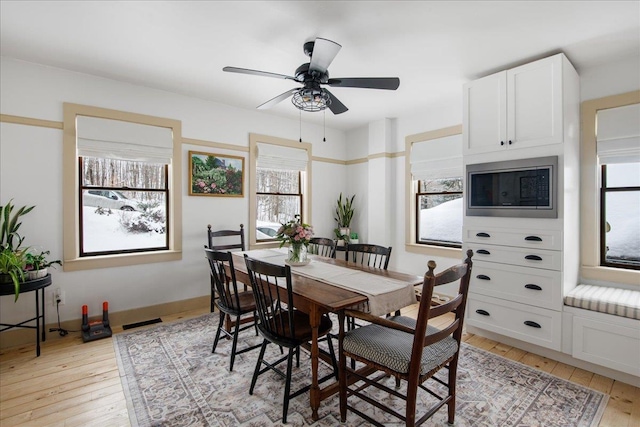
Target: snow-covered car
(266,230)
(108,199)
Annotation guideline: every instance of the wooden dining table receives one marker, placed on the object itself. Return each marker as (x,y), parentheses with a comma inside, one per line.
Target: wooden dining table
(316,297)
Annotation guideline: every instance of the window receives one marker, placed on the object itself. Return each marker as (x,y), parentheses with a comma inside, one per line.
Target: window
(278,198)
(279,185)
(121,181)
(123,206)
(620,213)
(610,132)
(434,160)
(439,205)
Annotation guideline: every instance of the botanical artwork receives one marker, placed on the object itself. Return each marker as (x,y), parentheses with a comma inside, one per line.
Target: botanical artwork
(215,174)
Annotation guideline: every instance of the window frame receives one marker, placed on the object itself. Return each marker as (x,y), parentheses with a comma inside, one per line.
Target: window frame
(71,195)
(305,184)
(590,214)
(604,189)
(411,188)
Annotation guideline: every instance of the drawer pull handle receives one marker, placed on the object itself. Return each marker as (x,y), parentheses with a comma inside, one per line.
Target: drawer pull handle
(483,277)
(534,287)
(533,257)
(483,235)
(483,252)
(483,312)
(533,239)
(532,324)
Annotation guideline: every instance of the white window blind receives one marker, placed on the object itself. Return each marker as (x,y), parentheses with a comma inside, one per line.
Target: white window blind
(437,158)
(271,156)
(618,134)
(117,139)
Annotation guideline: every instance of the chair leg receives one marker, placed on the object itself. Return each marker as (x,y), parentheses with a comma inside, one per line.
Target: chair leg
(342,375)
(258,365)
(236,331)
(255,322)
(451,404)
(287,387)
(215,342)
(297,357)
(412,394)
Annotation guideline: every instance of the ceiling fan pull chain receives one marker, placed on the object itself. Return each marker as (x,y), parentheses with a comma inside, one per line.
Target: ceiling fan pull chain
(324,125)
(300,125)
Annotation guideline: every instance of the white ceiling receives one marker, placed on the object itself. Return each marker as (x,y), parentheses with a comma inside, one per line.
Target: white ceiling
(433,47)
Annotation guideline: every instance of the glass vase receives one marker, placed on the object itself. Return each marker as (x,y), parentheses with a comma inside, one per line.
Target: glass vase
(297,253)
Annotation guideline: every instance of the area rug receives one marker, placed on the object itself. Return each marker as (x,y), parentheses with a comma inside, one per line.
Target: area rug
(171,378)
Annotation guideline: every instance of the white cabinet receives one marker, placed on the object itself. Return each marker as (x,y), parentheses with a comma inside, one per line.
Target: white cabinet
(517,108)
(516,283)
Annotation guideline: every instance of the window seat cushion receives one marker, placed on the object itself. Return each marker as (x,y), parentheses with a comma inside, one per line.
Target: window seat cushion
(616,301)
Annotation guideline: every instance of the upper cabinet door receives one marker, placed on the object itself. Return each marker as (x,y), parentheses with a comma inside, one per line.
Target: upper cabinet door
(484,114)
(534,103)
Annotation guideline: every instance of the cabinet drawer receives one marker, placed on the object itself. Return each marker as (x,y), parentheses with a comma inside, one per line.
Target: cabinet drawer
(524,257)
(534,286)
(531,324)
(538,239)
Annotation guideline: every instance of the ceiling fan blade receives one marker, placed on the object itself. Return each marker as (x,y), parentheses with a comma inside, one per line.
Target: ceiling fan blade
(256,73)
(336,106)
(389,83)
(323,53)
(270,103)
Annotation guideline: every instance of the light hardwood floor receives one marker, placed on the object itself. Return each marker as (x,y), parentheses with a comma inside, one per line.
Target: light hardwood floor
(77,384)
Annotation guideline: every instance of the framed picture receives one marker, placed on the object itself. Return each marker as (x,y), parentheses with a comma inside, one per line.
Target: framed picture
(215,175)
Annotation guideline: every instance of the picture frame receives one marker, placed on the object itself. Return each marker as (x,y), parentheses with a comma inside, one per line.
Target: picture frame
(212,174)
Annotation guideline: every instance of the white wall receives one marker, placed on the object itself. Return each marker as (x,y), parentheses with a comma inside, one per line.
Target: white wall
(31,174)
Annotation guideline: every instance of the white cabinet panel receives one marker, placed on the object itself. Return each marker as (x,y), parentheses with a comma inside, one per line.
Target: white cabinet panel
(485,113)
(533,286)
(614,346)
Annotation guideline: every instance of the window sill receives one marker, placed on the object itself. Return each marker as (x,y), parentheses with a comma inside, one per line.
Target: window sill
(610,274)
(264,245)
(441,251)
(120,260)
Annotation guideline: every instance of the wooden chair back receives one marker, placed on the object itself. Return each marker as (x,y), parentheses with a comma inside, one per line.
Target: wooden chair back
(273,292)
(457,306)
(322,246)
(370,255)
(225,236)
(223,276)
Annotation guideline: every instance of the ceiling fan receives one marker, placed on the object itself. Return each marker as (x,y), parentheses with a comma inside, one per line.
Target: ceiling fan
(311,96)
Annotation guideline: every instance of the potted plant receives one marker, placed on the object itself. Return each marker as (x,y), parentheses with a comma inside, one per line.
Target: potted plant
(36,264)
(11,269)
(344,215)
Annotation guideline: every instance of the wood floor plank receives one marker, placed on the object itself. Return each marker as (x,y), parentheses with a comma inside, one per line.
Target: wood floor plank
(539,362)
(581,377)
(563,370)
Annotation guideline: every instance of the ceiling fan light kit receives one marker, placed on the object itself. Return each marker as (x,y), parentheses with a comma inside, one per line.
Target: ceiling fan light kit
(311,96)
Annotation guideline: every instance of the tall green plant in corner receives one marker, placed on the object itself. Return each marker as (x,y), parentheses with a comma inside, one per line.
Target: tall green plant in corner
(344,215)
(12,258)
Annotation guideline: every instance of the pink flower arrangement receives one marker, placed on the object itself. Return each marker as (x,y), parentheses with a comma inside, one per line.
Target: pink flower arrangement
(294,232)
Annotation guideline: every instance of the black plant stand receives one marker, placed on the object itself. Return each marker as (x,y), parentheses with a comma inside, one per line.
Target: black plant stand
(38,286)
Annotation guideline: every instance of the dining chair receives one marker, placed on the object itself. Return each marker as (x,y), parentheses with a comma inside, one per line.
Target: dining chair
(366,254)
(224,240)
(322,246)
(281,324)
(407,349)
(371,255)
(230,302)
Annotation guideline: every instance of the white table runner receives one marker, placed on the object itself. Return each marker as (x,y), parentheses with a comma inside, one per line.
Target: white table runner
(385,294)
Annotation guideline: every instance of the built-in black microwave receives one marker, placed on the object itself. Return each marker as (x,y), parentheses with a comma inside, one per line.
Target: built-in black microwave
(516,188)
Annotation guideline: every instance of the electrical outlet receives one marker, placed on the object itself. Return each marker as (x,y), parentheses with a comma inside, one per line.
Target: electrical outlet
(58,294)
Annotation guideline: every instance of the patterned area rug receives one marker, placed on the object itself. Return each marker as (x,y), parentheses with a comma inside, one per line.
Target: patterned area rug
(171,378)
